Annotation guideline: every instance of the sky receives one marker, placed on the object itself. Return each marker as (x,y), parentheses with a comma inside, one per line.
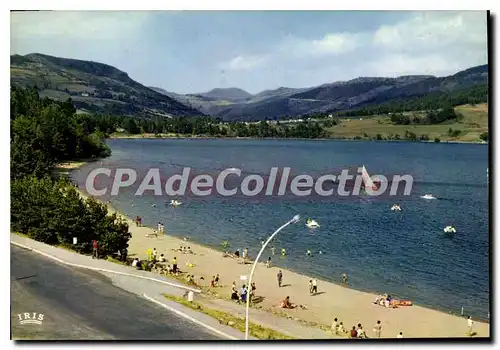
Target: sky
(195,51)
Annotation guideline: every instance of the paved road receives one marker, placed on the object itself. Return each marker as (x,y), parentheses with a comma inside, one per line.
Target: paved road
(81,304)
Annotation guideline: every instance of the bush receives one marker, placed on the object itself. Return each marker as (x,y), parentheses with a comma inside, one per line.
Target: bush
(410,136)
(437,140)
(454,133)
(379,137)
(484,136)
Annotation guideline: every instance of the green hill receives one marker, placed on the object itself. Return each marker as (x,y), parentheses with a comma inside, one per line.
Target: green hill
(94,87)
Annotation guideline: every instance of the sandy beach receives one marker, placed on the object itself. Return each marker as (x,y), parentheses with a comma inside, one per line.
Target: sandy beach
(348,305)
(333,300)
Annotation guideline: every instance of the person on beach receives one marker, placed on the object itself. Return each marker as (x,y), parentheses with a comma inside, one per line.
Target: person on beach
(154,255)
(253,288)
(237,253)
(314,289)
(212,282)
(377,329)
(469,325)
(286,304)
(162,258)
(341,329)
(137,220)
(245,254)
(217,280)
(360,331)
(353,333)
(400,335)
(268,263)
(189,251)
(244,292)
(387,302)
(280,278)
(234,293)
(334,327)
(174,264)
(310,287)
(137,264)
(344,278)
(95,249)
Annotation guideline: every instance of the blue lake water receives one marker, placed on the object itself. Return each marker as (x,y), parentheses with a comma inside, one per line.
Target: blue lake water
(404,254)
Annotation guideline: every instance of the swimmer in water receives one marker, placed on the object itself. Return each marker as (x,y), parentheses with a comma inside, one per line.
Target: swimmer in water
(272,250)
(309,253)
(320,252)
(283,252)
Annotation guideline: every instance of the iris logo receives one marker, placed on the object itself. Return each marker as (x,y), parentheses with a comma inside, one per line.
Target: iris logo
(30,318)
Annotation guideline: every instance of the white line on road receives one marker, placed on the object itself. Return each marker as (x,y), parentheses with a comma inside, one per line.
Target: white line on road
(103,270)
(192,319)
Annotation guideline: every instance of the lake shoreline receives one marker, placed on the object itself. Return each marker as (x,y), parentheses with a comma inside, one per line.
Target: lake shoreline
(194,137)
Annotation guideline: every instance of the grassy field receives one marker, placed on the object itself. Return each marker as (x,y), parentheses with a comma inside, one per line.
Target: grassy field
(238,323)
(474,122)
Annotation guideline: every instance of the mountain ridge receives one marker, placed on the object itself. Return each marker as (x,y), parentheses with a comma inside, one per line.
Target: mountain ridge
(98,87)
(345,95)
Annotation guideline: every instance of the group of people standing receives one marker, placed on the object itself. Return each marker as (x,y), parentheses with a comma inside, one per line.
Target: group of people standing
(242,296)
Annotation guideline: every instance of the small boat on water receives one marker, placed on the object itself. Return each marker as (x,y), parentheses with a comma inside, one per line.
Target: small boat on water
(428,196)
(396,207)
(312,223)
(450,229)
(175,202)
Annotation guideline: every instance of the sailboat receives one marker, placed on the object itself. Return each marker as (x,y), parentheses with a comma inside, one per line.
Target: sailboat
(367,181)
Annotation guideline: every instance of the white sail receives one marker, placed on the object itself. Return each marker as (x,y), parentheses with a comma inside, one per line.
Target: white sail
(366,178)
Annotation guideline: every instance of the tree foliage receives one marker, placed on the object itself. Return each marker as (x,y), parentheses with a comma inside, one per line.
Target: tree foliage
(44,132)
(428,102)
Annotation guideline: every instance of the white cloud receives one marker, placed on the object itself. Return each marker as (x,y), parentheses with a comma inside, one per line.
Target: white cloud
(433,42)
(434,31)
(95,25)
(333,44)
(244,63)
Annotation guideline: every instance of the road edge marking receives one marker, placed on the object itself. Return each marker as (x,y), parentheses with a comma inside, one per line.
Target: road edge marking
(192,319)
(103,270)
